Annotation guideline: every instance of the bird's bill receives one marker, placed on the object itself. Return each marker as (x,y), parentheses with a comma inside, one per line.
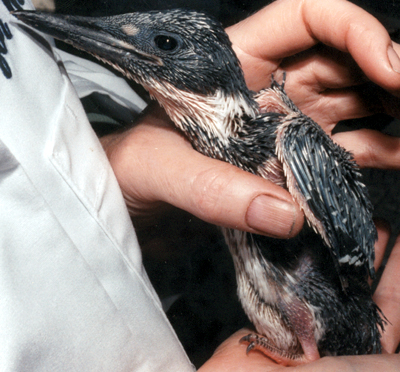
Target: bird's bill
(92,35)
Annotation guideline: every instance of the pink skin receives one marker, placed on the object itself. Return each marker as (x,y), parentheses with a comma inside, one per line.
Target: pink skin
(300,320)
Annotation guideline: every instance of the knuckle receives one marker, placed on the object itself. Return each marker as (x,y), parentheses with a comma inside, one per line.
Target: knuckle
(210,190)
(366,152)
(369,155)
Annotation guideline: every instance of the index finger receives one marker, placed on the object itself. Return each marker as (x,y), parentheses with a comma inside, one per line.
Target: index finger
(231,356)
(289,26)
(387,297)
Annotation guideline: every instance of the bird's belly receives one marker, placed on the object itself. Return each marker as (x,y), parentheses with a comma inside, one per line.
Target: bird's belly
(261,296)
(267,319)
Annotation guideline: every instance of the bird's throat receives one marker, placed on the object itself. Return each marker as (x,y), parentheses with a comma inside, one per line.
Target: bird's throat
(218,115)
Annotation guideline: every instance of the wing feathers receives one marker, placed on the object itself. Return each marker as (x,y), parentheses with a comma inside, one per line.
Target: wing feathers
(324,179)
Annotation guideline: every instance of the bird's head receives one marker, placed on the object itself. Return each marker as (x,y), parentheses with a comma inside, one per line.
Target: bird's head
(175,54)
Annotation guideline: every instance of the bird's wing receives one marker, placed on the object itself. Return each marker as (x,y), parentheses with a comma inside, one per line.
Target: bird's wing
(325,181)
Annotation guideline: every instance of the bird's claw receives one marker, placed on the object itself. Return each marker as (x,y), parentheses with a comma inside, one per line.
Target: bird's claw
(251,345)
(257,342)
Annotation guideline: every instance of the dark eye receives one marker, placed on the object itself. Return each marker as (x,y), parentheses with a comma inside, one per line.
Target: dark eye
(166,42)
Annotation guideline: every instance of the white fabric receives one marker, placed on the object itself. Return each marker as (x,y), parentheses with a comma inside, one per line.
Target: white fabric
(88,77)
(73,293)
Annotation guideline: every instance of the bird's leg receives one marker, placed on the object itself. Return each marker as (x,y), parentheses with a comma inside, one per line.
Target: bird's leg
(282,357)
(300,320)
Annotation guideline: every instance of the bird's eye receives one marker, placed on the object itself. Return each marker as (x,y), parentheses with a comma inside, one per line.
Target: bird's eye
(166,43)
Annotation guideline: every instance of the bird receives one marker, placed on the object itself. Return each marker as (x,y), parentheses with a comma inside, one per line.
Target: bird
(308,296)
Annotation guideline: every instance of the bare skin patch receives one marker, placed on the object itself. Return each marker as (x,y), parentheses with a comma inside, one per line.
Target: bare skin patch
(129,30)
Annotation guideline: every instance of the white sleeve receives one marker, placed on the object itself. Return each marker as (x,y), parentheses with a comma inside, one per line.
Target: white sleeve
(73,293)
(88,77)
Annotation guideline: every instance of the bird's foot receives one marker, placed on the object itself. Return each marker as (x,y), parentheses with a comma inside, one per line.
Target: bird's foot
(282,357)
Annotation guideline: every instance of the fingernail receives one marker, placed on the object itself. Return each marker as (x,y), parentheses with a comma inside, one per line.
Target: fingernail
(394,59)
(273,217)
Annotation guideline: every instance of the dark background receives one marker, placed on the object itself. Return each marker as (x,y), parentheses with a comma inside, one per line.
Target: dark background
(186,258)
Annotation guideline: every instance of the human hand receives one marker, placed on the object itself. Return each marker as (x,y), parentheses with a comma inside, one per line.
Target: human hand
(387,295)
(155,164)
(231,355)
(329,50)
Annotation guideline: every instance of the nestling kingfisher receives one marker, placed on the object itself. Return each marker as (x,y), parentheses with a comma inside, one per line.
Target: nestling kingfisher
(308,296)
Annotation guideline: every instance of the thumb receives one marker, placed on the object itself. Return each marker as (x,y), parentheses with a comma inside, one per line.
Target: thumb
(153,162)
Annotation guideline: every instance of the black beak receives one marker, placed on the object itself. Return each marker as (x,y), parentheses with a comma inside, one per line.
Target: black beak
(98,36)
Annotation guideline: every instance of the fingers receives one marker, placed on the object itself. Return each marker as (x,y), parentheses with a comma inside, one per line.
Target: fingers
(355,31)
(261,44)
(387,297)
(231,357)
(321,68)
(364,363)
(153,162)
(330,107)
(371,148)
(325,84)
(305,23)
(383,230)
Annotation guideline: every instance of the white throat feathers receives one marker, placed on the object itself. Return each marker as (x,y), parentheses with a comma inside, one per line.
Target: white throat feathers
(220,115)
